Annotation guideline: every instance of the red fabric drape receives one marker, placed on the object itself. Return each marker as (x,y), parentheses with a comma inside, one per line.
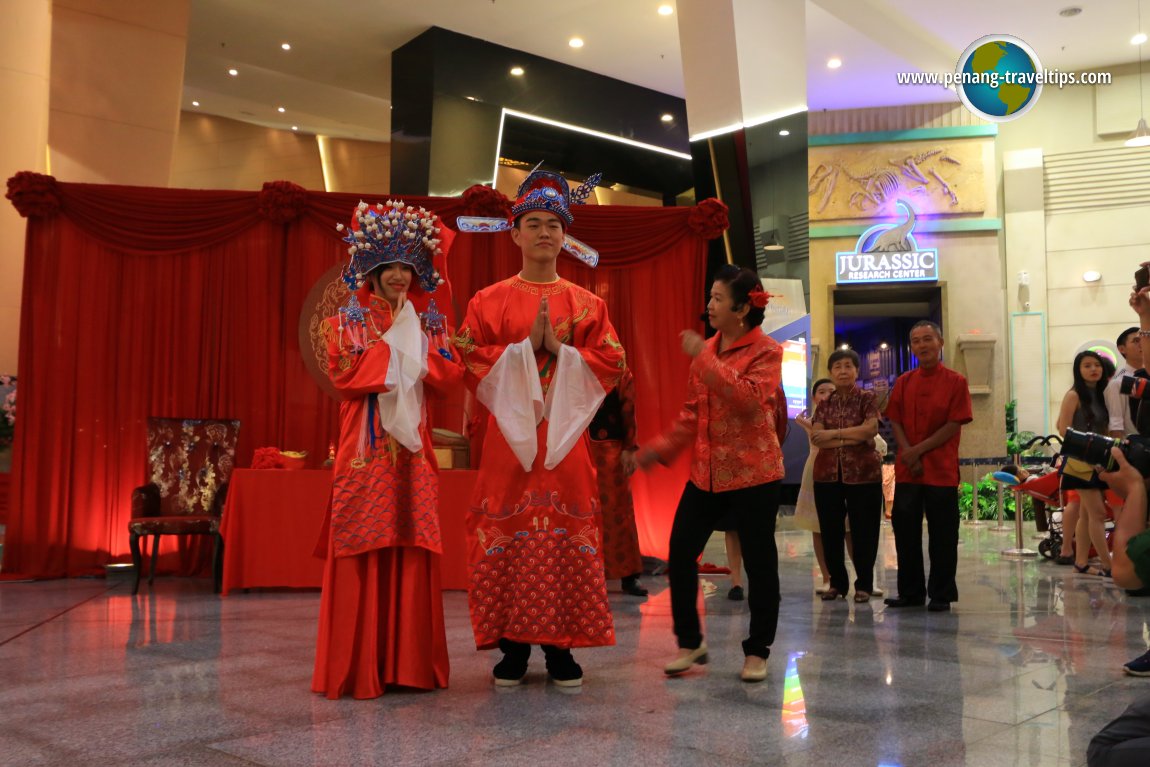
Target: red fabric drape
(141,302)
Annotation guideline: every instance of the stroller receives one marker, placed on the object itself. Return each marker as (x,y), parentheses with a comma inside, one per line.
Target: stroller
(1050,500)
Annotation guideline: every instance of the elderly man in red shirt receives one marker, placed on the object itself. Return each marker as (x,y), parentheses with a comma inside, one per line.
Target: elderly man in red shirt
(927,408)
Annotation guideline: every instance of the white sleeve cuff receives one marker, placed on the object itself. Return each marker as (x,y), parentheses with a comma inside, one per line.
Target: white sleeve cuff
(513,395)
(572,400)
(401,406)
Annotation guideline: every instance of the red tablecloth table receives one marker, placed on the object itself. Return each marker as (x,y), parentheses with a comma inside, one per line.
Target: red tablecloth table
(272,520)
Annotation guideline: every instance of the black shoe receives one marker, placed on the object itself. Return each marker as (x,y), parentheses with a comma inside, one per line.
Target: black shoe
(510,671)
(1142,592)
(631,586)
(938,606)
(735,594)
(903,602)
(562,668)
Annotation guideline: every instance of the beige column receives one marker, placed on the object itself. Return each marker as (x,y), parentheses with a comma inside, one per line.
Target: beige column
(744,61)
(117,77)
(25,54)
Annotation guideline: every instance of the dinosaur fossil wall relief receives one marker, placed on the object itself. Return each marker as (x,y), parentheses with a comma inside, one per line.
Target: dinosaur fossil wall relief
(852,181)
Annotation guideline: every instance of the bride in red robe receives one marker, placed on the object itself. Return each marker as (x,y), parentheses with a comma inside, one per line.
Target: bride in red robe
(381,613)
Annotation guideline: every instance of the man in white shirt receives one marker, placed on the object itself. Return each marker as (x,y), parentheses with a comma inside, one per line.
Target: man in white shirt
(1118,405)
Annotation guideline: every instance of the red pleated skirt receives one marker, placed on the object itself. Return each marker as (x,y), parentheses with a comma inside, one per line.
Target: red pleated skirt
(380,623)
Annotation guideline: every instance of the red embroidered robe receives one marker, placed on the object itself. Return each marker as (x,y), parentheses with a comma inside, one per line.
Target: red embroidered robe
(536,566)
(388,495)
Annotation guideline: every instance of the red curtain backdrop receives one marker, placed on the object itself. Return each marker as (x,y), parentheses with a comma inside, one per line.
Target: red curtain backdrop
(143,302)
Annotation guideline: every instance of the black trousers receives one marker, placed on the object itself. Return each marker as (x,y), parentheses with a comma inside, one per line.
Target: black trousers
(754,509)
(940,506)
(1125,742)
(862,504)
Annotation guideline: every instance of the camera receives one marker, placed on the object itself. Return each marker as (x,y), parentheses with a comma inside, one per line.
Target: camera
(1094,449)
(1135,387)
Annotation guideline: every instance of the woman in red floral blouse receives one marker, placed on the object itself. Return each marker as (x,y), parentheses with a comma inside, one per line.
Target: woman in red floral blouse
(728,421)
(848,476)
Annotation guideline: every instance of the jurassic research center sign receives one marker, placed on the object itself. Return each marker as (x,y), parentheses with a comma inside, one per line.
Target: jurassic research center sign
(887,253)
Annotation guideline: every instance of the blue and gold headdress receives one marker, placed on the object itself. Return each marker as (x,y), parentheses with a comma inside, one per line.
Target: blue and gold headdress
(546,191)
(392,233)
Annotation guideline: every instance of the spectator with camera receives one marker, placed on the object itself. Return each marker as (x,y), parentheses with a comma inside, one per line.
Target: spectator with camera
(1122,408)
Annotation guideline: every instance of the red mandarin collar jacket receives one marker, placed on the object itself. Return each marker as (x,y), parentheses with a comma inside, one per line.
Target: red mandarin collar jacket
(729,415)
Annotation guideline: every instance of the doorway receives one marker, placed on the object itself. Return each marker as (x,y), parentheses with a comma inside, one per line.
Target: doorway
(875,322)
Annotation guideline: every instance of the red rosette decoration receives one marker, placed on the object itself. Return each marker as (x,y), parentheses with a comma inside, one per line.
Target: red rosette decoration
(480,200)
(282,202)
(709,218)
(33,194)
(267,458)
(760,298)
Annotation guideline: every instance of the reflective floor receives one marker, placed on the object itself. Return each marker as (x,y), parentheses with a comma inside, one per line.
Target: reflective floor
(1023,672)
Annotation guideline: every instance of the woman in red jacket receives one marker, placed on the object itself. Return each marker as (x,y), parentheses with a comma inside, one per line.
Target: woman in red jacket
(736,467)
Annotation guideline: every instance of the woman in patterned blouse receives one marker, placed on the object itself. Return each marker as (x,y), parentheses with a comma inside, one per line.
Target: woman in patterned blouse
(728,421)
(848,476)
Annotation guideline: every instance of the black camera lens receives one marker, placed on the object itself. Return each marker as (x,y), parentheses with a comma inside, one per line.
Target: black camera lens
(1133,386)
(1086,446)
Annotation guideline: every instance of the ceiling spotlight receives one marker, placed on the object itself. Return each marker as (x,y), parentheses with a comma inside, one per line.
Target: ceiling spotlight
(844,347)
(517,71)
(666,10)
(295,127)
(286,46)
(1138,39)
(195,103)
(233,72)
(281,110)
(667,118)
(834,63)
(1073,10)
(575,42)
(784,132)
(884,345)
(1091,275)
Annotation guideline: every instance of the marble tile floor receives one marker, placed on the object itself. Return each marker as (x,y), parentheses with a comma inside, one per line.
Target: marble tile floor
(1023,672)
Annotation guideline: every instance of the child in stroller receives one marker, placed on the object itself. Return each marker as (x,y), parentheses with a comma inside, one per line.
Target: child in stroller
(1051,502)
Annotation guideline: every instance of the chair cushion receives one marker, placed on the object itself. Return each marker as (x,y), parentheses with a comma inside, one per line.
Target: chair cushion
(189,525)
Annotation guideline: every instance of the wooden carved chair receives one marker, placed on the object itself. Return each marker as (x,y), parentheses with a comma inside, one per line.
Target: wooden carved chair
(189,464)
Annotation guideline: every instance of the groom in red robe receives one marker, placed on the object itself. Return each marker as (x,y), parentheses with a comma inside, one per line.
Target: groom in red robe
(540,354)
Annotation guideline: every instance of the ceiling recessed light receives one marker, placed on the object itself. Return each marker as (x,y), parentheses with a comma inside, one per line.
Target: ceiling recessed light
(575,42)
(195,103)
(784,132)
(666,10)
(286,46)
(295,127)
(834,63)
(1073,10)
(281,110)
(884,345)
(667,118)
(517,71)
(1138,39)
(233,72)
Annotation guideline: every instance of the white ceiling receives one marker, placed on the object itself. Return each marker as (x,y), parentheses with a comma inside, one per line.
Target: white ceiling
(336,79)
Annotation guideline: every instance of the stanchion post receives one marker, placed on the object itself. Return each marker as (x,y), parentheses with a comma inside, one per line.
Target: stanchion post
(1019,550)
(974,521)
(1002,527)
